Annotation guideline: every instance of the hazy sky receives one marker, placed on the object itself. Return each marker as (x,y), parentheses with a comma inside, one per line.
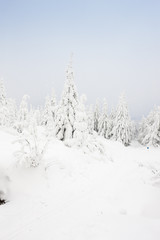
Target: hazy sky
(116,46)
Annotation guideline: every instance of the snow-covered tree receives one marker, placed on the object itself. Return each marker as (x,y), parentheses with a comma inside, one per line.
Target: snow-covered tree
(104,122)
(142,129)
(38,116)
(49,114)
(12,112)
(90,119)
(149,132)
(96,116)
(122,129)
(53,105)
(134,130)
(47,110)
(81,127)
(111,119)
(66,111)
(52,108)
(23,115)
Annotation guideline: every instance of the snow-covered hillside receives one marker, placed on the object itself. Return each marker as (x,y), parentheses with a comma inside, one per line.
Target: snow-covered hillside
(80,196)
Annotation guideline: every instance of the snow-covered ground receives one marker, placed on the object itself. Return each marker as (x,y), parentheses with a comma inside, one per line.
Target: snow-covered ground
(77,196)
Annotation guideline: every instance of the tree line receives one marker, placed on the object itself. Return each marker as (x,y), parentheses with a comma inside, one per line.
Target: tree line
(70,120)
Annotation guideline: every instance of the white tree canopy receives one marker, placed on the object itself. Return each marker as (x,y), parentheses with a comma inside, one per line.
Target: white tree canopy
(66,112)
(122,128)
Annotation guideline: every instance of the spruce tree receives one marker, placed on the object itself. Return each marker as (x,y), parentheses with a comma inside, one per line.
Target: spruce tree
(150,129)
(66,112)
(104,122)
(23,115)
(122,128)
(96,116)
(90,119)
(81,127)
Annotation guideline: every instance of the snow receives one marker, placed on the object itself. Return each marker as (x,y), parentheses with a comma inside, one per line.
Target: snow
(80,196)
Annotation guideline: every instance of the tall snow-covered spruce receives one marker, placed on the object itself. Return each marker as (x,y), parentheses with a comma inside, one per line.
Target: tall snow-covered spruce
(149,132)
(23,115)
(122,126)
(96,116)
(104,122)
(49,111)
(66,112)
(81,125)
(90,119)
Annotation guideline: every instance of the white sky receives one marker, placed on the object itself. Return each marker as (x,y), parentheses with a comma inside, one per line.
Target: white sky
(116,46)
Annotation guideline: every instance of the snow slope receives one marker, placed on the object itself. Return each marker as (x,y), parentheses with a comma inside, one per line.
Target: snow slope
(77,196)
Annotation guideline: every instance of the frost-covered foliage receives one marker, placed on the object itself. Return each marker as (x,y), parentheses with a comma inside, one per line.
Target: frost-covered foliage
(104,122)
(149,132)
(38,116)
(46,112)
(32,147)
(66,111)
(81,128)
(134,130)
(49,110)
(22,115)
(12,113)
(53,104)
(111,125)
(96,116)
(90,119)
(49,114)
(122,128)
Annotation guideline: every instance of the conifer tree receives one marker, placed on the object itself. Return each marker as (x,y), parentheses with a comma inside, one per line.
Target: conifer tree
(12,112)
(47,110)
(23,115)
(81,127)
(66,112)
(150,129)
(104,122)
(122,128)
(96,116)
(90,119)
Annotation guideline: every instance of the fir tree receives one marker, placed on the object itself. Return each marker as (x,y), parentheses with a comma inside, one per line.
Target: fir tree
(90,119)
(66,112)
(104,122)
(150,129)
(96,116)
(81,127)
(122,129)
(23,115)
